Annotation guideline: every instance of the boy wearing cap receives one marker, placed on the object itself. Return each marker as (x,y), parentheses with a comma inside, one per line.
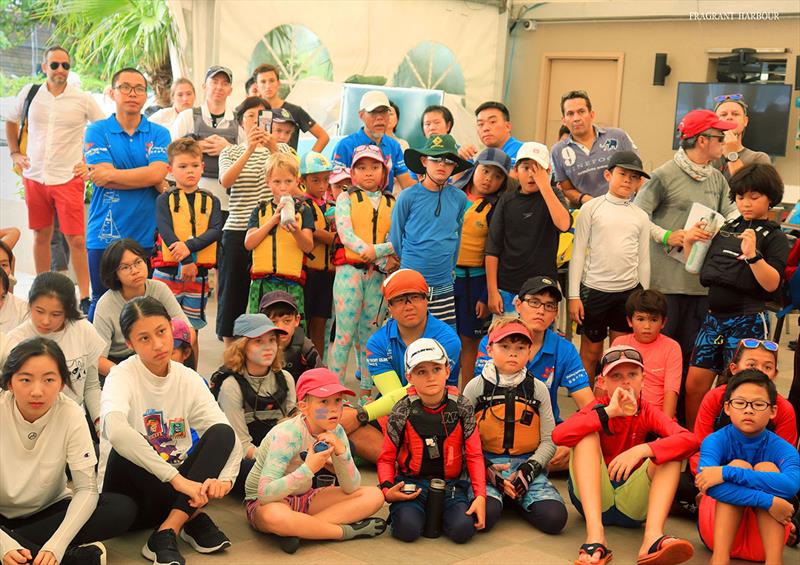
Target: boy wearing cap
(527,224)
(610,257)
(667,197)
(374,113)
(426,222)
(299,353)
(615,477)
(431,434)
(315,169)
(482,184)
(279,494)
(517,447)
(213,126)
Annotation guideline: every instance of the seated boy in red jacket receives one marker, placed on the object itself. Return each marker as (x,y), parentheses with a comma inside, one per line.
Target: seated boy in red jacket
(615,476)
(431,434)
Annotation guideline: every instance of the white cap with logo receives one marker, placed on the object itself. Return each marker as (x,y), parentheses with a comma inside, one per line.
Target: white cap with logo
(425,349)
(536,151)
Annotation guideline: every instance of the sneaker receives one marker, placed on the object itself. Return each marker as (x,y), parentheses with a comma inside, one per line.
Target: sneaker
(204,535)
(367,528)
(89,554)
(289,544)
(162,548)
(86,303)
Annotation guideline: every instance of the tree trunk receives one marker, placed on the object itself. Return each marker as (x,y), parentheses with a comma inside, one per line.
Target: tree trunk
(161,80)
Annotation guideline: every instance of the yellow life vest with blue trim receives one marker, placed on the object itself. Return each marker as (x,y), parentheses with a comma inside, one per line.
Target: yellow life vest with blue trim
(370,225)
(474,232)
(189,222)
(321,257)
(278,254)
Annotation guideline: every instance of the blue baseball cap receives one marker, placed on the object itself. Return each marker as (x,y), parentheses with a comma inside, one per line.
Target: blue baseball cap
(254,325)
(489,156)
(313,162)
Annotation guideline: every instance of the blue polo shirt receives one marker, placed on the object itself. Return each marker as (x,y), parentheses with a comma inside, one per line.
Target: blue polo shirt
(556,364)
(343,154)
(583,166)
(114,214)
(386,349)
(511,147)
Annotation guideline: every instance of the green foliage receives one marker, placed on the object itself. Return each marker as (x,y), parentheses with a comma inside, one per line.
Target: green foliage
(366,79)
(10,86)
(15,23)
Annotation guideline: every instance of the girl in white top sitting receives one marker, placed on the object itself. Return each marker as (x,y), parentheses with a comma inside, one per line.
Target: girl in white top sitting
(259,392)
(41,520)
(149,405)
(54,314)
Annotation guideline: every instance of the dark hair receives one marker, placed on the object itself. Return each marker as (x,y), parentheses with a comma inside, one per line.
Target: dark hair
(689,142)
(5,247)
(52,49)
(5,282)
(396,109)
(127,70)
(492,105)
(755,377)
(51,283)
(738,353)
(248,83)
(563,130)
(756,177)
(447,116)
(138,308)
(280,309)
(572,95)
(647,301)
(266,68)
(34,347)
(247,104)
(191,360)
(109,262)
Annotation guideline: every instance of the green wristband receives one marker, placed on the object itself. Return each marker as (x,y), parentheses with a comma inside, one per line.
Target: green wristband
(666,237)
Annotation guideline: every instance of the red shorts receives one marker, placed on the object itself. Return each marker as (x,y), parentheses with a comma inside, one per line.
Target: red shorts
(66,199)
(747,544)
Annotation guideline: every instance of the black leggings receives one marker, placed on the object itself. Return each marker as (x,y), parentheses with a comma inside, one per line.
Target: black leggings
(154,499)
(549,516)
(408,522)
(233,284)
(112,517)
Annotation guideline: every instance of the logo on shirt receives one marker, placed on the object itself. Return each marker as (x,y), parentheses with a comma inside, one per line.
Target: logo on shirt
(148,147)
(568,156)
(547,376)
(161,434)
(610,145)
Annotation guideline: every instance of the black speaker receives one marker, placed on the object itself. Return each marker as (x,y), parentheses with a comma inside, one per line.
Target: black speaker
(797,73)
(661,70)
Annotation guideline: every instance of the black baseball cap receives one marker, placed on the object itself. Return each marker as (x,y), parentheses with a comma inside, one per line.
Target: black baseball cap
(217,69)
(627,160)
(535,285)
(277,297)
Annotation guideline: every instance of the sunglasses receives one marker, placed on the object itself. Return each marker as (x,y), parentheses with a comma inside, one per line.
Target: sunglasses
(444,160)
(726,97)
(709,136)
(54,65)
(752,343)
(612,356)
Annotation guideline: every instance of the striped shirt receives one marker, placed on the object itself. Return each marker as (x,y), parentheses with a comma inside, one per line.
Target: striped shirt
(251,185)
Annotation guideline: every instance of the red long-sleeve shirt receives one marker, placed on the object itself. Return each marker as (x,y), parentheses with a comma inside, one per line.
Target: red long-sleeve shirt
(710,408)
(674,442)
(402,446)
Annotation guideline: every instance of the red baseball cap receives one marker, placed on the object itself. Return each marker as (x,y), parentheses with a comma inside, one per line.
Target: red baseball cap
(698,121)
(514,328)
(320,382)
(404,281)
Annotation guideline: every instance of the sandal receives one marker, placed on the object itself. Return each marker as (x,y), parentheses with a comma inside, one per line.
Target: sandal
(590,549)
(669,554)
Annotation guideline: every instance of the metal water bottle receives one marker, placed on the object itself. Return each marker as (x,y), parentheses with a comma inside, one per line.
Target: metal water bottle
(434,508)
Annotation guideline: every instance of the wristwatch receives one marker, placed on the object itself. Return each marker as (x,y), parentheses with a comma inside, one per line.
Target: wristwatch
(732,156)
(361,416)
(756,258)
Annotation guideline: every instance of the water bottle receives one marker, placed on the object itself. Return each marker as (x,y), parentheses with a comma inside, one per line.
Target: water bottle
(287,212)
(434,508)
(700,248)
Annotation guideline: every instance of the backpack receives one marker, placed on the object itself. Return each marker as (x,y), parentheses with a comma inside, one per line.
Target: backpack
(22,138)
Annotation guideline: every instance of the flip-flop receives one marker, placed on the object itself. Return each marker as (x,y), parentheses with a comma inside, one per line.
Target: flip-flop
(676,552)
(590,549)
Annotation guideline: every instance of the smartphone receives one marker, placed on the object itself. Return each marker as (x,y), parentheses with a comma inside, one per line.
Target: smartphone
(265,120)
(409,488)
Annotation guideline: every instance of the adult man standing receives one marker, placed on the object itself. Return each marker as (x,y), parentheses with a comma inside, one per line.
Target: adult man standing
(580,160)
(493,122)
(374,113)
(57,114)
(667,198)
(733,108)
(127,160)
(214,126)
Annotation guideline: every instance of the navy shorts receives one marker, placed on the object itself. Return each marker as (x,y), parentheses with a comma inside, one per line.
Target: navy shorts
(718,338)
(318,294)
(603,311)
(468,291)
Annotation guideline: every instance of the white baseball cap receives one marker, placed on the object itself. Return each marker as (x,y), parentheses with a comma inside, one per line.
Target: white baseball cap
(425,349)
(536,151)
(372,100)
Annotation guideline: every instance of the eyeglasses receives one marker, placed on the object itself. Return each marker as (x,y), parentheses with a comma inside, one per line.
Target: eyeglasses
(126,88)
(378,110)
(444,160)
(125,268)
(752,343)
(404,299)
(709,136)
(618,354)
(55,64)
(726,97)
(741,404)
(535,303)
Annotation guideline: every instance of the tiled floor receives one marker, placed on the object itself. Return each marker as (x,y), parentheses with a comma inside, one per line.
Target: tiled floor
(512,541)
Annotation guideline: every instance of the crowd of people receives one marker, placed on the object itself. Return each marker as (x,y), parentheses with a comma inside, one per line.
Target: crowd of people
(438,270)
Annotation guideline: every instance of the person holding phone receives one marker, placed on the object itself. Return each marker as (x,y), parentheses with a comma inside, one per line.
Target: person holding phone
(735,156)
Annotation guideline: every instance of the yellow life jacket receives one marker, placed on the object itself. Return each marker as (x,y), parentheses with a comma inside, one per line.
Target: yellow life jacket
(371,225)
(278,254)
(508,418)
(321,257)
(189,222)
(473,234)
(565,243)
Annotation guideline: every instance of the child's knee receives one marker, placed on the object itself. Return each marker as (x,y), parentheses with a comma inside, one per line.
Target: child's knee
(766,467)
(549,516)
(269,517)
(739,463)
(407,523)
(459,527)
(372,497)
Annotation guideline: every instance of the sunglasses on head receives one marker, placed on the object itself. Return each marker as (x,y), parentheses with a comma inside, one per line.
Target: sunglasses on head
(612,356)
(55,64)
(752,343)
(726,97)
